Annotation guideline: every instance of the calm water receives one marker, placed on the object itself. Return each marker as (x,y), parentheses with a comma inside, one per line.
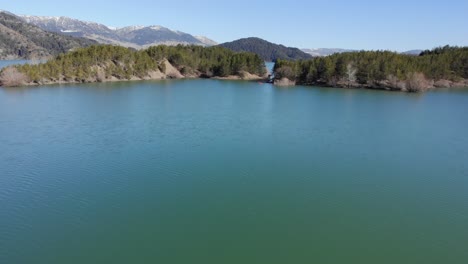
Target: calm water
(5,63)
(205,171)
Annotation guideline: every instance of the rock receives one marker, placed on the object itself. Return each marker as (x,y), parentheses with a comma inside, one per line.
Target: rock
(443,84)
(459,84)
(156,75)
(284,82)
(171,71)
(430,84)
(249,77)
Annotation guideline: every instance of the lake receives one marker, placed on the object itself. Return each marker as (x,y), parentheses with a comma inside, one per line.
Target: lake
(6,63)
(208,171)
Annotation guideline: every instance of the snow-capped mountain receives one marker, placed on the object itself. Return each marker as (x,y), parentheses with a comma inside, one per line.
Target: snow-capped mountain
(21,40)
(131,36)
(321,52)
(206,41)
(154,35)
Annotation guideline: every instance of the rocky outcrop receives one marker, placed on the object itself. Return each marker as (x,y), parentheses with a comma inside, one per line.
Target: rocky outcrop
(245,76)
(171,72)
(442,84)
(284,82)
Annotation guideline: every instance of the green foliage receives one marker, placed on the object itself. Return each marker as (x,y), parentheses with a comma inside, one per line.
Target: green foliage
(266,50)
(216,60)
(449,63)
(123,63)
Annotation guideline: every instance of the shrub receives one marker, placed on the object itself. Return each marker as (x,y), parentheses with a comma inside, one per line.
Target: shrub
(416,82)
(11,77)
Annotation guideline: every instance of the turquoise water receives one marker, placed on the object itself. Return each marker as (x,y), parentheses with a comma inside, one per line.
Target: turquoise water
(270,66)
(206,171)
(5,63)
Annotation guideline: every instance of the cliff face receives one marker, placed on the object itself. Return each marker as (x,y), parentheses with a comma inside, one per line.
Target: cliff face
(20,40)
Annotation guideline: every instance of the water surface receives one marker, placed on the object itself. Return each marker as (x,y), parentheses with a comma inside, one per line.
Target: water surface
(6,63)
(206,171)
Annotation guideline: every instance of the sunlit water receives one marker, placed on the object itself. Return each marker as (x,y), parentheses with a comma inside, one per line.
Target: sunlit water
(205,171)
(5,63)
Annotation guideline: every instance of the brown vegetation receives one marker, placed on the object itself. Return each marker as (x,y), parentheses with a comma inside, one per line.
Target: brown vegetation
(11,77)
(416,82)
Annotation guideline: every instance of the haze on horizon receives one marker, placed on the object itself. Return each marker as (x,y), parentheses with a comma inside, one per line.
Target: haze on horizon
(393,25)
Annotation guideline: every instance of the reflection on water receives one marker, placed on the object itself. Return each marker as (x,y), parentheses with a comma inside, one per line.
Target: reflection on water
(5,63)
(209,171)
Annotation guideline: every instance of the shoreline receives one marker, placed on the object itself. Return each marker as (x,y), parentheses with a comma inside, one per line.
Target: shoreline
(385,85)
(170,73)
(136,79)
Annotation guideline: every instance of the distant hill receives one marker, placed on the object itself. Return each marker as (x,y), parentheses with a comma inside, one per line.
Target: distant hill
(321,52)
(132,36)
(267,50)
(412,52)
(20,40)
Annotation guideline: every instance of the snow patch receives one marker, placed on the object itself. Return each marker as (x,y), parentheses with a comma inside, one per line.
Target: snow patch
(134,27)
(69,31)
(156,27)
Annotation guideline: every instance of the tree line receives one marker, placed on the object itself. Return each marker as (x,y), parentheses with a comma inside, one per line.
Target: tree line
(370,67)
(106,61)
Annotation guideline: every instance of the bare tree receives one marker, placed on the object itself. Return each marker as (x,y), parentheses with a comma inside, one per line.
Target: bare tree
(11,77)
(351,73)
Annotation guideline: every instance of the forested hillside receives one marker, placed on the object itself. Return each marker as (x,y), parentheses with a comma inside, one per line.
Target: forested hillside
(106,62)
(266,50)
(441,67)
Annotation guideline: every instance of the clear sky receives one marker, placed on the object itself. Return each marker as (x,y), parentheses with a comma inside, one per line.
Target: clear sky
(394,25)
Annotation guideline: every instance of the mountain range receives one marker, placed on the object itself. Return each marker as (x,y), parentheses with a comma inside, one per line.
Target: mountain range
(22,40)
(413,52)
(132,36)
(25,36)
(321,52)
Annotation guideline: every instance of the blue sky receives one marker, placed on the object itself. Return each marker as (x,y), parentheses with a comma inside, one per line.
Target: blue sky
(394,25)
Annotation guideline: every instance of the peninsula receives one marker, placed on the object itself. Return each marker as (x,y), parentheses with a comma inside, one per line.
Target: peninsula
(103,63)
